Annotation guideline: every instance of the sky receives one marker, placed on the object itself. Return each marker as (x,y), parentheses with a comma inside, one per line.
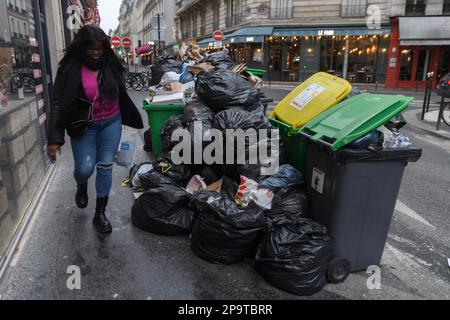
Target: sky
(109,14)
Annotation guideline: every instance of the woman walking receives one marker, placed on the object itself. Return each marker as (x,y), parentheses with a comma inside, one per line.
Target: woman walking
(90,102)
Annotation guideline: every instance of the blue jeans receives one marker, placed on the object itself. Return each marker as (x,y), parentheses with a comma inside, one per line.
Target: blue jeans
(97,148)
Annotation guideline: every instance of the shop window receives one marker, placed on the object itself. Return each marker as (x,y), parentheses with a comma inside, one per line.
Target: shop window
(274,55)
(406,65)
(444,63)
(446,7)
(423,65)
(415,7)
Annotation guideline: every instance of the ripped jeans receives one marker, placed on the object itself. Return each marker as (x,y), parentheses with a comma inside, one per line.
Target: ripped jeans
(97,148)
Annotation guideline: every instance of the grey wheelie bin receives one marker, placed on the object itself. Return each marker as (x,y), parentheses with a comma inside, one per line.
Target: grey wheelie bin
(351,191)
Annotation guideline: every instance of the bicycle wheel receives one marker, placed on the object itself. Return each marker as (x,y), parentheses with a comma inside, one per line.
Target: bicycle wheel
(446,114)
(127,81)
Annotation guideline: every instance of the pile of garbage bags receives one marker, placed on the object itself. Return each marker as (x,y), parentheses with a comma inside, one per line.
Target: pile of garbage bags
(232,210)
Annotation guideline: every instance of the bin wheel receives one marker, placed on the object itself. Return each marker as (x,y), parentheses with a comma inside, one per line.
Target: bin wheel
(338,270)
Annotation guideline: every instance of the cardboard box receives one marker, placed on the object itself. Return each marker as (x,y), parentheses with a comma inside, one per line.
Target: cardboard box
(12,151)
(3,201)
(15,177)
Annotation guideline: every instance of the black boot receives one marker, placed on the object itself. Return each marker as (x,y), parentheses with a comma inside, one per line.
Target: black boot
(100,221)
(81,197)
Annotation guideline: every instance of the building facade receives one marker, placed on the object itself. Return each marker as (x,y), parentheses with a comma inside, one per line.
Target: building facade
(295,38)
(420,42)
(33,36)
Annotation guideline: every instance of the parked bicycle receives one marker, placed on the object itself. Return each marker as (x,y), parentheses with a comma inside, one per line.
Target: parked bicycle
(446,113)
(142,80)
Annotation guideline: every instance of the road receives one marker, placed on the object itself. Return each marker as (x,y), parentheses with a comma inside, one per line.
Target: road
(132,264)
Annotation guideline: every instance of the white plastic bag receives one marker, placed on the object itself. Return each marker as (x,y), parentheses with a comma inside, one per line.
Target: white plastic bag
(170,77)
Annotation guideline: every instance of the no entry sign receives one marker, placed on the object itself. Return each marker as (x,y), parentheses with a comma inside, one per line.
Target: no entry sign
(115,41)
(126,42)
(218,35)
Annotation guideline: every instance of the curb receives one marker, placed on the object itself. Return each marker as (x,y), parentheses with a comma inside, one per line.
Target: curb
(413,119)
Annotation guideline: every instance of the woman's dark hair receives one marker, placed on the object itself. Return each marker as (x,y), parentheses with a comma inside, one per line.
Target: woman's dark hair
(76,51)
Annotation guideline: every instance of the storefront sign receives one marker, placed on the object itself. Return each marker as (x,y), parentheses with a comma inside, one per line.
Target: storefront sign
(40,103)
(33,42)
(392,62)
(249,39)
(39,89)
(37,73)
(42,119)
(36,58)
(325,33)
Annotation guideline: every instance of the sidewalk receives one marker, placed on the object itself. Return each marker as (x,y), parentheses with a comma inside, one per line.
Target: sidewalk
(373,88)
(413,118)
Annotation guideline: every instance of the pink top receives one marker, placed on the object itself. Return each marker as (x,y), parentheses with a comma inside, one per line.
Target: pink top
(103,108)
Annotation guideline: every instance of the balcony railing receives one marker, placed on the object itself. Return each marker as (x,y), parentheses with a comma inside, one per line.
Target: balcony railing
(281,13)
(353,10)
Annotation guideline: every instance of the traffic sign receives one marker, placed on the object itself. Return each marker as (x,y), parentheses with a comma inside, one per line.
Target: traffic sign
(115,41)
(126,42)
(218,35)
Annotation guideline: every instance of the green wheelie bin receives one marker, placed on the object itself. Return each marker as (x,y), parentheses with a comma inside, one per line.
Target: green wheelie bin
(353,191)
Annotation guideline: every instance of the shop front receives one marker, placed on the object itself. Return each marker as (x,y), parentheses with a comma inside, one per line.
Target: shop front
(419,46)
(25,75)
(357,54)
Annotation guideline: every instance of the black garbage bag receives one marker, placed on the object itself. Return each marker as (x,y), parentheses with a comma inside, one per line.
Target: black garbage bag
(135,181)
(173,123)
(154,179)
(294,255)
(197,111)
(164,210)
(220,59)
(238,118)
(290,201)
(371,141)
(287,175)
(223,233)
(209,173)
(221,89)
(164,65)
(179,174)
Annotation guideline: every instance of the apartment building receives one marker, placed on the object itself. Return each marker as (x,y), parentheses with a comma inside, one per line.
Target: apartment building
(420,42)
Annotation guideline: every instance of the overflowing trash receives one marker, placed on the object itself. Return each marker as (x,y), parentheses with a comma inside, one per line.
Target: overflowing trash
(233,210)
(294,255)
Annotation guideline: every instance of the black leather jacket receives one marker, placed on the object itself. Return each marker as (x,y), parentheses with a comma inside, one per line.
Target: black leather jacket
(70,108)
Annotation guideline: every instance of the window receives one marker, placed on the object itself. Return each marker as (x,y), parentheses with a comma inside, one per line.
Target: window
(194,25)
(423,65)
(25,29)
(354,8)
(216,7)
(202,22)
(415,7)
(281,9)
(446,7)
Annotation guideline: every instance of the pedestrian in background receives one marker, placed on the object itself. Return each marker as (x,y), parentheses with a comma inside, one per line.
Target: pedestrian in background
(90,102)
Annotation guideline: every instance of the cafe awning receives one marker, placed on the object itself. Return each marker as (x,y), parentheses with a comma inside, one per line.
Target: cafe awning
(424,31)
(248,35)
(330,31)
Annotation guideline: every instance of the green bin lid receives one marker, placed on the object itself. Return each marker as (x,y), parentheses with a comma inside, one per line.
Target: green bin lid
(353,118)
